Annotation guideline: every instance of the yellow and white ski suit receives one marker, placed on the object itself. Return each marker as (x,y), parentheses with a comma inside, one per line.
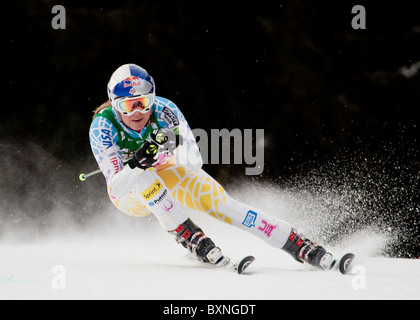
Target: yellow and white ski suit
(175,183)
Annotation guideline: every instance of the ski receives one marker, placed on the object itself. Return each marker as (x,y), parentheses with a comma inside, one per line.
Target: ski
(235,266)
(227,263)
(346,263)
(242,265)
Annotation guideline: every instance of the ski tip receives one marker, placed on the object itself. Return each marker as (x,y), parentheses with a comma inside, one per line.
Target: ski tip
(345,263)
(244,263)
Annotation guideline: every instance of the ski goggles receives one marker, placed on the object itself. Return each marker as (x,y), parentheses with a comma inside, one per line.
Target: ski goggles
(139,103)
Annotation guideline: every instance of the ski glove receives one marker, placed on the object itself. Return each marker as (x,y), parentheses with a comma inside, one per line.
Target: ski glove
(167,140)
(163,141)
(145,157)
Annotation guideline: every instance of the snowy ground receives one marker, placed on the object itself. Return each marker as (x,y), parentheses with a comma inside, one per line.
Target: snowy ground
(137,260)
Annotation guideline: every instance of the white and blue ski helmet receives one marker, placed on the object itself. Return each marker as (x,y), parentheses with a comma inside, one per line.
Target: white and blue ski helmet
(130,80)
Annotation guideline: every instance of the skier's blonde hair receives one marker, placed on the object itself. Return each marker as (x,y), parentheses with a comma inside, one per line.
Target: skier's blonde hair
(104,105)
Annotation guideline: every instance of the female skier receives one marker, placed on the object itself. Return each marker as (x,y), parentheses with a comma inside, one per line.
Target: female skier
(152,164)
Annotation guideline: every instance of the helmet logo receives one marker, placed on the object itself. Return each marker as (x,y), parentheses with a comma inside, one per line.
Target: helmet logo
(131,81)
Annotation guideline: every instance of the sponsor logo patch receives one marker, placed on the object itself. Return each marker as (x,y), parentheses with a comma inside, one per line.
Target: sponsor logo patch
(152,191)
(169,117)
(250,219)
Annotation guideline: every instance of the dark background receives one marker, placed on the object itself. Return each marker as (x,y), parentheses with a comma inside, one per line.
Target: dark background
(338,105)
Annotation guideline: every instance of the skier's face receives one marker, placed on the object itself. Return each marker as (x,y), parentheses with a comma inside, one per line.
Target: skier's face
(137,121)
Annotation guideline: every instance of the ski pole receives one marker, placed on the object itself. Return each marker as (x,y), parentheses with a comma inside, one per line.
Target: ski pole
(84,176)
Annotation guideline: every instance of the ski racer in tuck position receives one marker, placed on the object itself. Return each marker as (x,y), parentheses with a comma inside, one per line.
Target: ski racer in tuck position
(152,165)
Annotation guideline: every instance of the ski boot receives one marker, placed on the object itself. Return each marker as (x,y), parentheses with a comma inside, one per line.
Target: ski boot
(304,250)
(193,238)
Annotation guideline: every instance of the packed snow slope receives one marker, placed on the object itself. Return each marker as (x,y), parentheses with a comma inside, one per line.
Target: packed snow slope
(129,258)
